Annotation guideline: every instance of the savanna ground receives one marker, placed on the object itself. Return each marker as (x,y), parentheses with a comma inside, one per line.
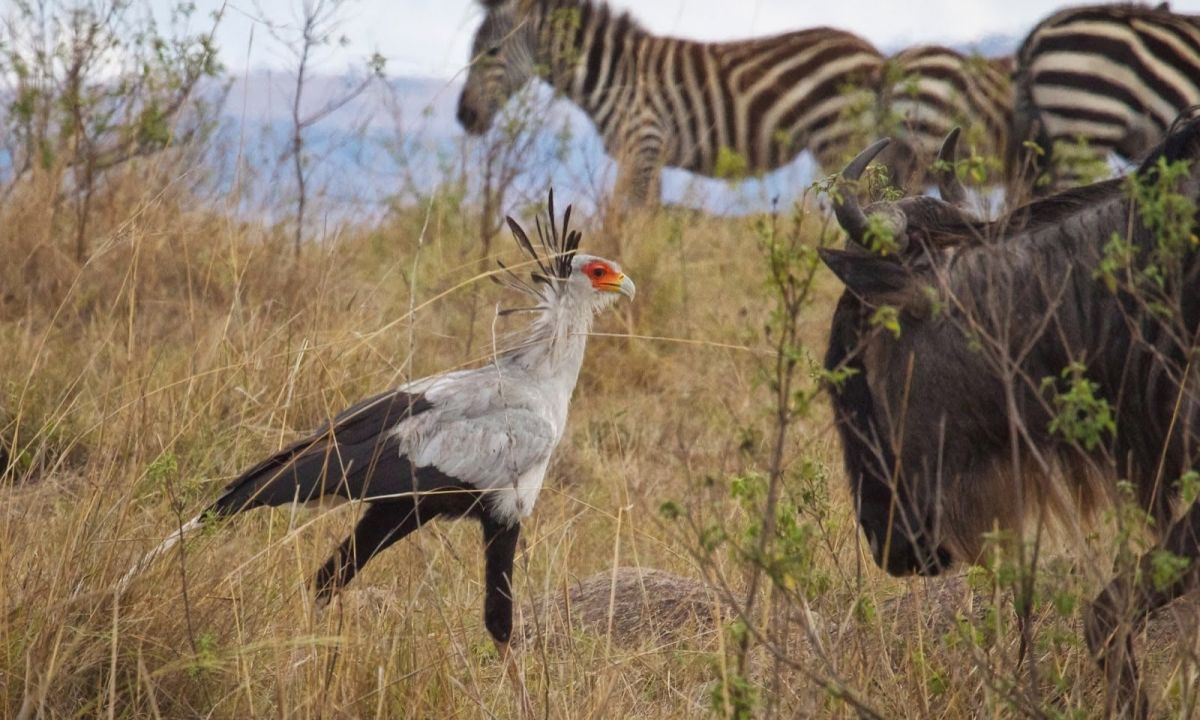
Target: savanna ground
(190,344)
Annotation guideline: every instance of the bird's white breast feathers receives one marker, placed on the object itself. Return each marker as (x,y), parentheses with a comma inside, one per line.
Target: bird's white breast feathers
(489,431)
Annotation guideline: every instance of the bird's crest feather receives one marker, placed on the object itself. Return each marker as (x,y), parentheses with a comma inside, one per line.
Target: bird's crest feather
(559,245)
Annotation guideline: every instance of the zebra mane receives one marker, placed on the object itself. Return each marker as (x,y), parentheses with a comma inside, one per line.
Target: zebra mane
(604,11)
(553,264)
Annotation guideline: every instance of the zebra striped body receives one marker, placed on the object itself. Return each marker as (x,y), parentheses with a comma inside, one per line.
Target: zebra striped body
(711,108)
(929,90)
(1111,76)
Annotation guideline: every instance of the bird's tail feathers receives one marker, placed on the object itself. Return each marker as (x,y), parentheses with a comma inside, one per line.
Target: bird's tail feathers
(169,542)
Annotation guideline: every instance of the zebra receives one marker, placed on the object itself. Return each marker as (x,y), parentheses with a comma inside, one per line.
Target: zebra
(716,109)
(928,90)
(1096,80)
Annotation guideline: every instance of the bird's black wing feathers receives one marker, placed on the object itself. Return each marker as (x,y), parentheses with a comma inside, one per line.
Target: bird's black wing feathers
(354,456)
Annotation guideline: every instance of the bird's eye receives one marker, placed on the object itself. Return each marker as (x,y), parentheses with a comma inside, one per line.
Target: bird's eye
(598,272)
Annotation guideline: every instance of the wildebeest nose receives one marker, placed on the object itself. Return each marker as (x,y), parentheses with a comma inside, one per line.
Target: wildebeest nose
(467,117)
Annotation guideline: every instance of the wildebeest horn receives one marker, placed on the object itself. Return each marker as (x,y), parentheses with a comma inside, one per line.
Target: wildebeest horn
(949,186)
(845,205)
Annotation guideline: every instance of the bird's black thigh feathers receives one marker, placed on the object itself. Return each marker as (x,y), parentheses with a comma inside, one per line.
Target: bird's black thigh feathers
(385,523)
(381,525)
(500,547)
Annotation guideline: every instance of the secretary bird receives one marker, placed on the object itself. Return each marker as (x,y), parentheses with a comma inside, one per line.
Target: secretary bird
(467,443)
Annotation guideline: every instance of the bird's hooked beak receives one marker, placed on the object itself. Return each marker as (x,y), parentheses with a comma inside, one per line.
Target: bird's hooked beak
(622,284)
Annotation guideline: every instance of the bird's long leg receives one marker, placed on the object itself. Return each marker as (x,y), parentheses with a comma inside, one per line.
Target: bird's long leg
(500,547)
(382,524)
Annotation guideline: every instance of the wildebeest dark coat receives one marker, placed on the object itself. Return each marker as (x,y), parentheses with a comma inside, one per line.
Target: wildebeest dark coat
(947,427)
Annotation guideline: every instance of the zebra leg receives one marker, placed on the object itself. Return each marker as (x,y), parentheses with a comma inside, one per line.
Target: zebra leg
(640,167)
(904,164)
(380,526)
(1122,607)
(638,185)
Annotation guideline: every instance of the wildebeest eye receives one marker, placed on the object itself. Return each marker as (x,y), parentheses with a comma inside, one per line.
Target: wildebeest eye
(493,51)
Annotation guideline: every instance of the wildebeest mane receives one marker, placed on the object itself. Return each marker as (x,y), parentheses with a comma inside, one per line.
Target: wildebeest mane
(1051,211)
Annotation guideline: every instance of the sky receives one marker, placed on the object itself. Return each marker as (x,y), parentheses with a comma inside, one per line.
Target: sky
(432,37)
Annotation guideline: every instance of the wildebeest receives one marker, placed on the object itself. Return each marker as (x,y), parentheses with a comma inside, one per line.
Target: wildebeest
(955,423)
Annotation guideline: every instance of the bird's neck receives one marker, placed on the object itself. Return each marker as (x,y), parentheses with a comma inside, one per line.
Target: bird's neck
(552,349)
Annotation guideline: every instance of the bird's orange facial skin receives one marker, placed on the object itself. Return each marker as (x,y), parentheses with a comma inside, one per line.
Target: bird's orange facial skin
(603,276)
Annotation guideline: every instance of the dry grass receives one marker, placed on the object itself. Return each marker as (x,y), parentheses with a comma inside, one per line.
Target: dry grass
(133,388)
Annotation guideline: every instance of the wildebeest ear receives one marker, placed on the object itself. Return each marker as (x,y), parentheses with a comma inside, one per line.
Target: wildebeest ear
(865,274)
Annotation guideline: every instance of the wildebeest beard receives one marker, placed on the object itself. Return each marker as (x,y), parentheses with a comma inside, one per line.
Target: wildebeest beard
(947,425)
